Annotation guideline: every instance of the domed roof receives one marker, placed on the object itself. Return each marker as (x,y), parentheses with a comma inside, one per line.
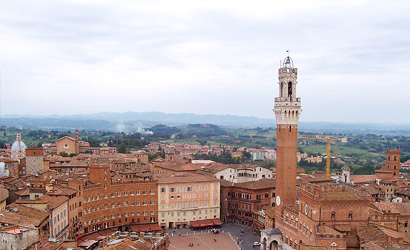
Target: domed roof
(18,145)
(346,168)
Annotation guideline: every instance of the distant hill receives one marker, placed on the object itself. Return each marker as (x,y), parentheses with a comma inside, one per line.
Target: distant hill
(137,121)
(146,119)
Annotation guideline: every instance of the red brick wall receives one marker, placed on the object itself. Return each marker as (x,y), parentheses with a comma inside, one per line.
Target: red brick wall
(286,162)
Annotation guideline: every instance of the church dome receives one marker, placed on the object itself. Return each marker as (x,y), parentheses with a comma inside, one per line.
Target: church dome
(18,145)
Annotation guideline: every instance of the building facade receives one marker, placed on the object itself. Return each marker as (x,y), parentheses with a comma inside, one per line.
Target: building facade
(110,203)
(34,161)
(185,198)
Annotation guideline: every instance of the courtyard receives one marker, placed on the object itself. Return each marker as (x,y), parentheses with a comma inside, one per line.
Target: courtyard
(231,237)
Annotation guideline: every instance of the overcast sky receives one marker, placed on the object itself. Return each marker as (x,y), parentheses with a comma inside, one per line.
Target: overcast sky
(205,57)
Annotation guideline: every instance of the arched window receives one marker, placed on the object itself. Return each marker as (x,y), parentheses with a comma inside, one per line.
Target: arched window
(290,90)
(333,216)
(350,215)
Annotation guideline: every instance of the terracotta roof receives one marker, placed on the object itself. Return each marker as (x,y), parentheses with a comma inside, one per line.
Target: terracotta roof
(20,215)
(371,189)
(270,212)
(400,208)
(394,234)
(384,245)
(4,194)
(61,190)
(183,177)
(371,233)
(343,227)
(362,178)
(323,229)
(260,184)
(54,201)
(127,244)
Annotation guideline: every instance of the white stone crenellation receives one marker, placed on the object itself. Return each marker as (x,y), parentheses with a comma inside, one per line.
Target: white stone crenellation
(287,105)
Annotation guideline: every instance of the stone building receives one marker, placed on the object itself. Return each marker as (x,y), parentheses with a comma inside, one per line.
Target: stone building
(184,199)
(110,202)
(71,145)
(34,161)
(240,200)
(17,237)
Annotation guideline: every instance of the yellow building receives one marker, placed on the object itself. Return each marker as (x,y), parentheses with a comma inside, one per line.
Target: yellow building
(4,194)
(188,200)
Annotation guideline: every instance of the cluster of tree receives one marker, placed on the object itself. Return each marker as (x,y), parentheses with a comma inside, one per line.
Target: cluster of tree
(225,158)
(365,169)
(321,166)
(204,130)
(64,154)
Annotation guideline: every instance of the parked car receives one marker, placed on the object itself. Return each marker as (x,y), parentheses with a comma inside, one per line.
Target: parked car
(255,244)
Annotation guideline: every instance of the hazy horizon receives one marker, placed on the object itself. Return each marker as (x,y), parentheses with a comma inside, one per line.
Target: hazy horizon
(272,118)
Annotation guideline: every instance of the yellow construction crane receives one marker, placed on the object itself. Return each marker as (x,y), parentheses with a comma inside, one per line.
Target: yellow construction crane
(328,138)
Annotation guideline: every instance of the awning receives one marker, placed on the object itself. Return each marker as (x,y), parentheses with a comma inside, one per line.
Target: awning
(202,223)
(259,224)
(217,222)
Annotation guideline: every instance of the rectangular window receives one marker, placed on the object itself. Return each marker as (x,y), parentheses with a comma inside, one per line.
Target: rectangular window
(162,190)
(172,190)
(189,189)
(144,192)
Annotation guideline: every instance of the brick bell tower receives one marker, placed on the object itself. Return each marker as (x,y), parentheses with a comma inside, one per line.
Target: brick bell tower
(287,111)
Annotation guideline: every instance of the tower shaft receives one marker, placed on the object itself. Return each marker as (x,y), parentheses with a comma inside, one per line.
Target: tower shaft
(287,111)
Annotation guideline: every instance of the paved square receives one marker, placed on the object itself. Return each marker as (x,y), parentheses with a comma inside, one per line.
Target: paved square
(204,241)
